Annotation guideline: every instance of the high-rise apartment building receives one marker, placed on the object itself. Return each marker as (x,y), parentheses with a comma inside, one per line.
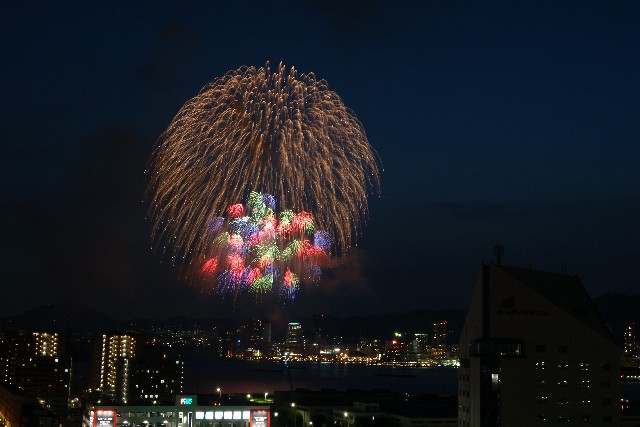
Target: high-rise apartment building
(534,350)
(631,350)
(294,341)
(107,350)
(36,362)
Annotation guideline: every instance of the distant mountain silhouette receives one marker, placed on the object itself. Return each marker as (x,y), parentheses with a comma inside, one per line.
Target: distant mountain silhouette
(615,308)
(63,317)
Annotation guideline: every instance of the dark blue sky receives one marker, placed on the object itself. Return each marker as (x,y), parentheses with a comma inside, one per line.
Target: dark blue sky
(510,122)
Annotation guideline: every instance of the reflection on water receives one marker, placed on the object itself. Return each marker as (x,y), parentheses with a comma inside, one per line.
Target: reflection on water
(238,376)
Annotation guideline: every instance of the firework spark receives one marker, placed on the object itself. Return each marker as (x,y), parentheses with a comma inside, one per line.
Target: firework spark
(252,129)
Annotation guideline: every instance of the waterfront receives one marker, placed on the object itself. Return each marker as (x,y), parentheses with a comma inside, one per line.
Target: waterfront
(239,376)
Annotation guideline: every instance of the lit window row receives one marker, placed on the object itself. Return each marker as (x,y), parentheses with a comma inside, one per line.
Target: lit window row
(222,415)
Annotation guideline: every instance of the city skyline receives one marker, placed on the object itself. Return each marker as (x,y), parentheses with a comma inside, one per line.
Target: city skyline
(510,124)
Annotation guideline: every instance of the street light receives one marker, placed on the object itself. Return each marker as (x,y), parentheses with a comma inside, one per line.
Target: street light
(295,415)
(219,390)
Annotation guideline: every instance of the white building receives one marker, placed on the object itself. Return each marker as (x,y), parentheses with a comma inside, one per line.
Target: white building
(534,350)
(185,413)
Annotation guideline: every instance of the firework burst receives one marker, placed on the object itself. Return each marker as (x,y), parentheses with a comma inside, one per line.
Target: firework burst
(257,253)
(254,129)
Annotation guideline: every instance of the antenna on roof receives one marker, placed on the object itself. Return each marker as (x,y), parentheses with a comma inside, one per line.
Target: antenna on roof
(498,251)
(563,268)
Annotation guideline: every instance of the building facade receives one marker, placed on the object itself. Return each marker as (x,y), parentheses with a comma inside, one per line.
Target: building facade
(534,349)
(631,350)
(149,380)
(294,341)
(107,350)
(35,361)
(439,341)
(255,339)
(20,409)
(186,412)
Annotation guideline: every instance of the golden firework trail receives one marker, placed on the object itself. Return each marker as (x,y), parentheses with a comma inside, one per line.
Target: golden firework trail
(255,130)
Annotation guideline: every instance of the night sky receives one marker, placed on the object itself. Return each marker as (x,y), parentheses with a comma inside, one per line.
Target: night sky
(510,122)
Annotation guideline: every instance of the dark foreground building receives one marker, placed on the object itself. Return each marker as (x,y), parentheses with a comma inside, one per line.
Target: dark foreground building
(20,409)
(36,362)
(534,350)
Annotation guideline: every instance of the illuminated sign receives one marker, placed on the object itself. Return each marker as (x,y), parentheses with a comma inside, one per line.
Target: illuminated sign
(183,400)
(104,418)
(260,418)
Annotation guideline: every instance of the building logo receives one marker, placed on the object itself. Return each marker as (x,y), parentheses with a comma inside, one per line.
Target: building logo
(508,303)
(185,400)
(508,308)
(104,418)
(260,418)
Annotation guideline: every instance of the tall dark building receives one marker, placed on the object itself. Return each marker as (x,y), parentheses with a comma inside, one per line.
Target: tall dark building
(439,341)
(294,340)
(36,363)
(534,350)
(255,338)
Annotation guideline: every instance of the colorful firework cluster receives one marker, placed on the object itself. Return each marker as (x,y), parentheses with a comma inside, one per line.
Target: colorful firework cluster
(257,250)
